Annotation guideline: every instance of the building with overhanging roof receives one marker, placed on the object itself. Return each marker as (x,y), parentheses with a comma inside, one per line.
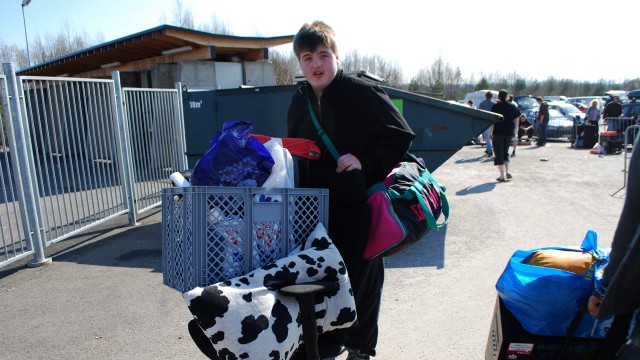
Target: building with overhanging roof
(161,56)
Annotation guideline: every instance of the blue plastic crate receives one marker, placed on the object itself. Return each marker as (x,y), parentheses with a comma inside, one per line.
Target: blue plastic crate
(211,234)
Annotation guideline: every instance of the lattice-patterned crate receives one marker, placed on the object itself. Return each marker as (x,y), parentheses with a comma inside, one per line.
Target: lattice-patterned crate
(211,234)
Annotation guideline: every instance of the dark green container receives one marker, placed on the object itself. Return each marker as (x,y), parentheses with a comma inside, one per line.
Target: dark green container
(442,128)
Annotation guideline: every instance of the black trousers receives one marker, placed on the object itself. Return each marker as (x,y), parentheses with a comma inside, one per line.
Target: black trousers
(529,133)
(501,145)
(349,222)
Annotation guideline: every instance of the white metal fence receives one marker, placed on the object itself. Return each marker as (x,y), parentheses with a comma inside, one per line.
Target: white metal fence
(154,117)
(79,152)
(15,242)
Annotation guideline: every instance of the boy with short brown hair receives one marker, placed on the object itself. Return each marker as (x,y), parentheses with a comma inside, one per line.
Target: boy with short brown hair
(371,137)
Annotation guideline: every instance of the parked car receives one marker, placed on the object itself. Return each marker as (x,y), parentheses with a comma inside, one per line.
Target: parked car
(526,102)
(586,100)
(555,98)
(479,96)
(582,107)
(559,126)
(631,109)
(634,95)
(569,111)
(620,93)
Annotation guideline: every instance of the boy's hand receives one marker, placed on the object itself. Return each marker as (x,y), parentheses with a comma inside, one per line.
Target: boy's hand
(594,305)
(348,162)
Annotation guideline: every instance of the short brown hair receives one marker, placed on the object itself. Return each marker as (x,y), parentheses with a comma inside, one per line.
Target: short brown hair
(310,36)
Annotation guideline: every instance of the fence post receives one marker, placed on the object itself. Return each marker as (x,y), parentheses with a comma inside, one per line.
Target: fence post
(123,132)
(23,163)
(181,149)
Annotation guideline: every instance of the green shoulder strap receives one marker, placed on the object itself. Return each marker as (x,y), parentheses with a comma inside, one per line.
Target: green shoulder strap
(322,134)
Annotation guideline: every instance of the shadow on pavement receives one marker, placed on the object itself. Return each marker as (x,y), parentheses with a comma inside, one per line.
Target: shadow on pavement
(470,160)
(115,244)
(427,252)
(478,189)
(137,247)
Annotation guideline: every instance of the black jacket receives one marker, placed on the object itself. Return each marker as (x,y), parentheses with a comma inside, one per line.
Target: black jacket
(622,273)
(359,118)
(613,109)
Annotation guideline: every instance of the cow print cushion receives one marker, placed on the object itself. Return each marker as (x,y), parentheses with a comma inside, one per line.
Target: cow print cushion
(247,318)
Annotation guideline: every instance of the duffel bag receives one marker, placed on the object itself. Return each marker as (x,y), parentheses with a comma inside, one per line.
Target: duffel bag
(404,207)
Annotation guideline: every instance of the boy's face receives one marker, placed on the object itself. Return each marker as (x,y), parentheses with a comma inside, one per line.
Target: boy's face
(319,67)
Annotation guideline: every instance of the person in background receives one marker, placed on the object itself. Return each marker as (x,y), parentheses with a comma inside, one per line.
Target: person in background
(592,114)
(503,133)
(620,294)
(371,137)
(486,105)
(542,120)
(613,109)
(525,127)
(514,141)
(592,117)
(476,140)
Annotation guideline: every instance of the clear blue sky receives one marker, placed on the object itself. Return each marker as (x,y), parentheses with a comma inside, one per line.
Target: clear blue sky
(581,40)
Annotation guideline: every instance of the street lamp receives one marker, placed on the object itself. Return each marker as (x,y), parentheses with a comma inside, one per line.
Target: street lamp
(25,3)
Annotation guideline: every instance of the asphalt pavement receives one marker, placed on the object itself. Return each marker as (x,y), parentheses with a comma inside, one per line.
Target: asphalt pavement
(102,296)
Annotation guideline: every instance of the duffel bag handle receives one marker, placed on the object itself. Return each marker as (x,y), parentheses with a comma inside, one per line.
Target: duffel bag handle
(415,191)
(426,177)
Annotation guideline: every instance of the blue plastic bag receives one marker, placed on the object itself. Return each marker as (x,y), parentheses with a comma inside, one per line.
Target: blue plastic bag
(545,300)
(233,159)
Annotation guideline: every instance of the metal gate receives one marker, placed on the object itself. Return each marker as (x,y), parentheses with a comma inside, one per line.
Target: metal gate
(79,152)
(157,141)
(73,135)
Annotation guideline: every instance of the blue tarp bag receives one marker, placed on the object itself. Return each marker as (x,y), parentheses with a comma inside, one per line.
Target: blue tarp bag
(234,159)
(545,300)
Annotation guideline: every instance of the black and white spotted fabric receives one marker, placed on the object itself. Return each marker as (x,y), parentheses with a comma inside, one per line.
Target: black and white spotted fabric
(247,318)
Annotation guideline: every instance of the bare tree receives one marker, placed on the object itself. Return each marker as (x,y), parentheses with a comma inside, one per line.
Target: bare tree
(216,26)
(14,54)
(375,65)
(55,45)
(285,66)
(440,77)
(182,16)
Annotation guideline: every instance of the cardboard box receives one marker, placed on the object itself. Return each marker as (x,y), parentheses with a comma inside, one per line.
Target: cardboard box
(509,341)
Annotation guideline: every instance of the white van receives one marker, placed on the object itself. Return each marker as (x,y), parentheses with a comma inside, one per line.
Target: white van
(479,96)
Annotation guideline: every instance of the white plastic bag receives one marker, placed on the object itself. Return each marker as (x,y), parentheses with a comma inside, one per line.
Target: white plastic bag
(282,175)
(598,149)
